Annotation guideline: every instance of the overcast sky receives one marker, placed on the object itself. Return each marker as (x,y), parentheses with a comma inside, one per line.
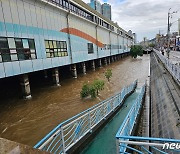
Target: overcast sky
(144,17)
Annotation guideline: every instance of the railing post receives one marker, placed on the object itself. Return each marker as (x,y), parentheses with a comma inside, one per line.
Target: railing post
(89,119)
(63,143)
(117,146)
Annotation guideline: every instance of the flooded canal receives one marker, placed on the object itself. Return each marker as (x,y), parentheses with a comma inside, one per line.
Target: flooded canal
(28,121)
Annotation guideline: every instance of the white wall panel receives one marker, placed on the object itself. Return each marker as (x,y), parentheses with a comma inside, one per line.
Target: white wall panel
(2,73)
(22,18)
(21,12)
(33,15)
(7,11)
(14,11)
(2,25)
(28,14)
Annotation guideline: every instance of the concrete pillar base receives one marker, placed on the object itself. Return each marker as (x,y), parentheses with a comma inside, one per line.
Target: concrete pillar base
(45,74)
(99,63)
(109,60)
(74,71)
(93,65)
(55,75)
(25,86)
(105,61)
(112,59)
(84,68)
(115,59)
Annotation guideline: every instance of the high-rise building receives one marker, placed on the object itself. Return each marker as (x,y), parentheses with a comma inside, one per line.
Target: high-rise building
(106,10)
(96,5)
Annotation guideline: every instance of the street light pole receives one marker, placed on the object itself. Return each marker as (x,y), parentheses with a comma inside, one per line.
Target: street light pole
(168,31)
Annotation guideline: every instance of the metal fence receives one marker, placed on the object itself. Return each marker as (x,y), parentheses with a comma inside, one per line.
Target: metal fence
(172,68)
(127,126)
(149,145)
(68,133)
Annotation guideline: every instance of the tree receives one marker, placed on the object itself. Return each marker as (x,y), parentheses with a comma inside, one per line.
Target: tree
(108,74)
(98,85)
(85,90)
(92,89)
(152,45)
(136,50)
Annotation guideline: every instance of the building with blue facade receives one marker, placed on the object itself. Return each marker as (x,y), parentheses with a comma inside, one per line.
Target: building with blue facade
(38,35)
(96,5)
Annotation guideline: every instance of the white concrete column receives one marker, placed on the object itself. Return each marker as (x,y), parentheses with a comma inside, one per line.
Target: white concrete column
(99,63)
(109,60)
(93,65)
(25,86)
(45,74)
(55,75)
(84,68)
(112,59)
(105,61)
(74,70)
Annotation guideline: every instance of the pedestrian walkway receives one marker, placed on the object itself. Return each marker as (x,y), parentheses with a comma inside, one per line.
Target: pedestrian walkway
(165,102)
(174,57)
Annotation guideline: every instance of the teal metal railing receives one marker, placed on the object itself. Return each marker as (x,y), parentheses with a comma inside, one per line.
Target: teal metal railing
(69,132)
(173,69)
(128,124)
(134,144)
(148,145)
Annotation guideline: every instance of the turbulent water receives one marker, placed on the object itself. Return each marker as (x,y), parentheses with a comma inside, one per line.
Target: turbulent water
(28,121)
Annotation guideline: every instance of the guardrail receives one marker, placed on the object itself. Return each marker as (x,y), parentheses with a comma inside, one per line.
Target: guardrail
(149,145)
(69,132)
(128,124)
(174,70)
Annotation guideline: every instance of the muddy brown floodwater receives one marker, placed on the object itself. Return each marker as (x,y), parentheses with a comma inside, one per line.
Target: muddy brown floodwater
(28,121)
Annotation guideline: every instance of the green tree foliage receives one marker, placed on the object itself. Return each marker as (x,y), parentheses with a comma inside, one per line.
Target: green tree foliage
(98,85)
(85,90)
(152,45)
(136,50)
(108,74)
(92,89)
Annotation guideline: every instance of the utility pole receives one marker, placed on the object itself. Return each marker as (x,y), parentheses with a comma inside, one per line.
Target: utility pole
(179,26)
(168,30)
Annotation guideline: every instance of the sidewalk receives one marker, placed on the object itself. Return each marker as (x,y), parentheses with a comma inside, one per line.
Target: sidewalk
(165,102)
(174,57)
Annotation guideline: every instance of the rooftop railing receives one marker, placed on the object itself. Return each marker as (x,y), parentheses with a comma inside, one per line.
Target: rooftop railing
(173,69)
(69,132)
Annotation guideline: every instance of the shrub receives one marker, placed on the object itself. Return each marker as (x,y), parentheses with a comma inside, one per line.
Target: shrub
(108,74)
(92,89)
(98,85)
(85,90)
(136,50)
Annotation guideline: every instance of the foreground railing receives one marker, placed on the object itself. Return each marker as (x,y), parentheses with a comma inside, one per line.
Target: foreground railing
(128,124)
(68,133)
(172,68)
(149,145)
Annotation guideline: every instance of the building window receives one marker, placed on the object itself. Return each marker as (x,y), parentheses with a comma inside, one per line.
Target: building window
(56,48)
(90,48)
(14,49)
